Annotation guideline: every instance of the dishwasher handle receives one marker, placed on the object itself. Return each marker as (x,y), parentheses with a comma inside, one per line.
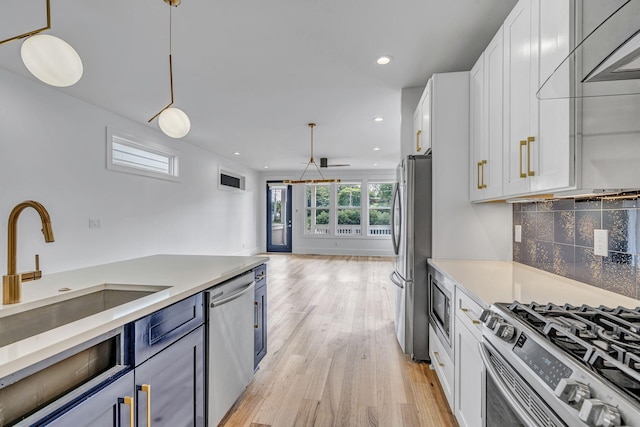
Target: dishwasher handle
(246,289)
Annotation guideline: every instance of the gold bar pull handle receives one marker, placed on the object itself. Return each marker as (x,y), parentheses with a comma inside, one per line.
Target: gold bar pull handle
(255,314)
(146,388)
(482,163)
(529,141)
(479,176)
(438,361)
(522,173)
(466,312)
(128,400)
(418,147)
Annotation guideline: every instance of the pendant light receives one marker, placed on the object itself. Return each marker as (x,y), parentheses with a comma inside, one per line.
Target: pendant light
(49,58)
(309,163)
(172,121)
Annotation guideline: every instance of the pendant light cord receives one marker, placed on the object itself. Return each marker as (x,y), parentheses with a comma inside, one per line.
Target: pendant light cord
(170,51)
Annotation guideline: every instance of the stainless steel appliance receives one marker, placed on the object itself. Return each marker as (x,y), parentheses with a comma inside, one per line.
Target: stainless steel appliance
(440,313)
(411,238)
(230,344)
(550,365)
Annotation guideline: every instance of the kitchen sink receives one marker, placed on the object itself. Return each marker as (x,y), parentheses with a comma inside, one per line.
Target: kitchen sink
(30,322)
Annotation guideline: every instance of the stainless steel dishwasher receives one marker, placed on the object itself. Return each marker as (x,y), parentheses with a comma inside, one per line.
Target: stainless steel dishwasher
(230,345)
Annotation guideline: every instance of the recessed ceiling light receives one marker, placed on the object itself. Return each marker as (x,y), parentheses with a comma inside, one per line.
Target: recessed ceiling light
(378,119)
(236,153)
(384,60)
(376,149)
(375,164)
(266,167)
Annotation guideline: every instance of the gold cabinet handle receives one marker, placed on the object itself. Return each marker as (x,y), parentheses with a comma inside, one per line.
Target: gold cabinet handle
(479,176)
(437,355)
(418,133)
(146,388)
(255,314)
(128,400)
(529,141)
(466,313)
(482,163)
(522,174)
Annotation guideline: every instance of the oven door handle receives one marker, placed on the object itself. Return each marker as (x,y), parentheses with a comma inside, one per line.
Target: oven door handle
(513,403)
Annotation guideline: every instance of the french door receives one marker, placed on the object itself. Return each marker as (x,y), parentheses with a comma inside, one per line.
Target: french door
(278,217)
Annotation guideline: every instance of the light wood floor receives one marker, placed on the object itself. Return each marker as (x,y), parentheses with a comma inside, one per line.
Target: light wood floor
(333,359)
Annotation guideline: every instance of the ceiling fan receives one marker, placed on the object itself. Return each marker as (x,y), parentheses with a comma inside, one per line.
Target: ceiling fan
(324,163)
(309,163)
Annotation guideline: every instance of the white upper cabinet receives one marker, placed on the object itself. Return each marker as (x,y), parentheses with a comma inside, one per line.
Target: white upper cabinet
(486,122)
(422,122)
(538,140)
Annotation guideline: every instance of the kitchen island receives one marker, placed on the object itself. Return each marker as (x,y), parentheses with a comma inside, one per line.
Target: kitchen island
(182,275)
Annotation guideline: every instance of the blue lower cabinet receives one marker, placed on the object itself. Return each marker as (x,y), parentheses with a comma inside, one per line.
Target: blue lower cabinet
(111,406)
(170,385)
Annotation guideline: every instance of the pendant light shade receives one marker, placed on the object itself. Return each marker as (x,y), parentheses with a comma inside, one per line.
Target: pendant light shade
(51,60)
(174,122)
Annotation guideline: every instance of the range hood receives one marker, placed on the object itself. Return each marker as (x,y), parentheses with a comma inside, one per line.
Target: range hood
(607,60)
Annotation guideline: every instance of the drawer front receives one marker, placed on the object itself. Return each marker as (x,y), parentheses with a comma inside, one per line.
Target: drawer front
(162,328)
(260,275)
(469,311)
(442,364)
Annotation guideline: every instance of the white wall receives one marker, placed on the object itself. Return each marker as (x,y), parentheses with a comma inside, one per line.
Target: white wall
(53,150)
(321,245)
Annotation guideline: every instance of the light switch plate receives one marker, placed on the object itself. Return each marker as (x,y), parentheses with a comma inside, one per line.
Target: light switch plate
(518,233)
(601,242)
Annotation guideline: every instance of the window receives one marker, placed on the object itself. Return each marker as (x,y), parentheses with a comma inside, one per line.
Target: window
(317,206)
(380,197)
(127,153)
(338,210)
(348,209)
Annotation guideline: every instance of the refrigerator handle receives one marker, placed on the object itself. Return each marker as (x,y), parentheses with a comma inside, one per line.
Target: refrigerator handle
(396,239)
(395,282)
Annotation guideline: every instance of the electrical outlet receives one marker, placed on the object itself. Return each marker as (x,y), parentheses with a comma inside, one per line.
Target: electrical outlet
(601,242)
(518,233)
(95,223)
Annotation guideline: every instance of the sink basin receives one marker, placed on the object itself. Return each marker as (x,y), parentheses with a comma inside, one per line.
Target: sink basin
(24,324)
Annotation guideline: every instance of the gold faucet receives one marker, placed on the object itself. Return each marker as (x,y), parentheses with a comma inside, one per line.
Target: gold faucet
(11,283)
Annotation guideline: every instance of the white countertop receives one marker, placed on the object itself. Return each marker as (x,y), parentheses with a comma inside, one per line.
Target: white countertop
(185,275)
(489,282)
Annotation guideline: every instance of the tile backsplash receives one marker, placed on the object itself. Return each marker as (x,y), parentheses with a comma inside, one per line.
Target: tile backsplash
(557,236)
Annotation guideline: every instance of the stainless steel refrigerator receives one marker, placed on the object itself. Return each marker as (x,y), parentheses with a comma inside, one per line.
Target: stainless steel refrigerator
(411,238)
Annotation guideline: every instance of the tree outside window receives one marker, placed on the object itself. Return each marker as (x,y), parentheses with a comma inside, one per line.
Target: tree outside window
(317,206)
(380,197)
(348,209)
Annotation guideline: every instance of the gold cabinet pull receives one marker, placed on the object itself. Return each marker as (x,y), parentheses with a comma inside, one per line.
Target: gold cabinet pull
(529,141)
(466,313)
(146,388)
(418,133)
(482,163)
(128,400)
(522,173)
(437,355)
(479,177)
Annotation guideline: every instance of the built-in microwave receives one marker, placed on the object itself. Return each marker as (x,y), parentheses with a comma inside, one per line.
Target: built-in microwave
(440,312)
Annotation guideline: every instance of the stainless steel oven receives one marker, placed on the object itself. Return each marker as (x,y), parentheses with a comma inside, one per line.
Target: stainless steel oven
(554,366)
(440,311)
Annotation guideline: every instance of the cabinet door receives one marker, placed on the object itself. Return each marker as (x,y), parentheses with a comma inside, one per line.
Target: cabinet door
(468,377)
(553,151)
(425,140)
(260,319)
(417,129)
(477,123)
(493,90)
(520,104)
(112,406)
(170,385)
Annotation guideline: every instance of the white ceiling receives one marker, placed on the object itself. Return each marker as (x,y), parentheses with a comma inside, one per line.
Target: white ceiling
(252,73)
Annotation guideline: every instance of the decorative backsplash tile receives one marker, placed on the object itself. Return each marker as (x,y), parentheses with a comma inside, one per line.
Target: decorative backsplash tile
(557,236)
